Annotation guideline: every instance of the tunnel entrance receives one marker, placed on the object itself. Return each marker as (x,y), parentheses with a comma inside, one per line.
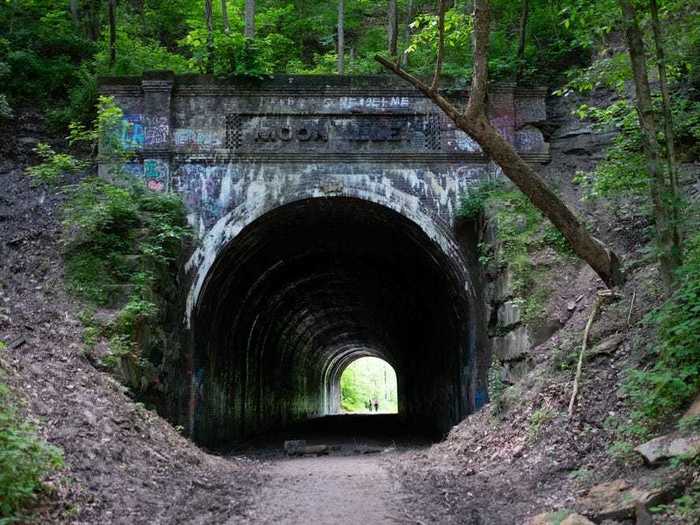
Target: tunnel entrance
(312,286)
(368,385)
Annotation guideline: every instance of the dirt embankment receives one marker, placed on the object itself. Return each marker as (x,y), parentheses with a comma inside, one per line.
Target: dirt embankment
(502,467)
(124,464)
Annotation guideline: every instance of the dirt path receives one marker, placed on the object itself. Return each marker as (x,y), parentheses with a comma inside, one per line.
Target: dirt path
(328,490)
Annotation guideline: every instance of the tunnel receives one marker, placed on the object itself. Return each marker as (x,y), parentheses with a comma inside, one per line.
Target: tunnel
(311,286)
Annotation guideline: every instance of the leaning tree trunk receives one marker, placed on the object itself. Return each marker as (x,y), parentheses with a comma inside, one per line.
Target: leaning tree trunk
(661,192)
(393,28)
(249,31)
(341,37)
(474,121)
(112,33)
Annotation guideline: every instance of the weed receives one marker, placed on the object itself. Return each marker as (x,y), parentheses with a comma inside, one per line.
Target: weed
(582,475)
(25,460)
(54,165)
(674,378)
(538,419)
(622,452)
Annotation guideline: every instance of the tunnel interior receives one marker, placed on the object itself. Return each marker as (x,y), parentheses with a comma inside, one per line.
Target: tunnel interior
(308,288)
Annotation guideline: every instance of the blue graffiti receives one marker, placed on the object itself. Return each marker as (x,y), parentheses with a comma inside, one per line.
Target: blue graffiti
(132,134)
(481,397)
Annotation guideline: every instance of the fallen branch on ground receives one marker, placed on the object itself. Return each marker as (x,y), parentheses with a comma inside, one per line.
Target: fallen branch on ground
(604,296)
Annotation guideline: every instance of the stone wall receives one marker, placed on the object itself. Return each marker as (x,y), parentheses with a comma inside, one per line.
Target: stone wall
(238,151)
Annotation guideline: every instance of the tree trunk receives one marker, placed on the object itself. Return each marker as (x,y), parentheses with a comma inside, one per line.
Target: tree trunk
(393,29)
(112,33)
(668,117)
(94,20)
(341,37)
(522,36)
(249,31)
(407,32)
(210,33)
(224,15)
(475,123)
(74,12)
(661,194)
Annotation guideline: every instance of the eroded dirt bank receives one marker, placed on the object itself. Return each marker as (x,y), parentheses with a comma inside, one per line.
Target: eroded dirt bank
(124,464)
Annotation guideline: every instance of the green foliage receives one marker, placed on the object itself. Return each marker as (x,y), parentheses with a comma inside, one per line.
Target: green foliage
(674,377)
(5,109)
(25,459)
(686,507)
(54,166)
(473,204)
(521,230)
(497,388)
(121,241)
(622,452)
(365,379)
(538,419)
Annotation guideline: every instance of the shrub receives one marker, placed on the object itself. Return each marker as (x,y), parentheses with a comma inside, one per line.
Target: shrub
(25,460)
(54,165)
(674,378)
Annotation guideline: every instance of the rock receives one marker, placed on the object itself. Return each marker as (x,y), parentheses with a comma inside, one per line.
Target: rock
(28,141)
(694,410)
(669,446)
(295,447)
(617,500)
(543,332)
(577,519)
(513,345)
(571,306)
(643,515)
(508,314)
(319,450)
(554,518)
(540,519)
(514,371)
(606,346)
(503,287)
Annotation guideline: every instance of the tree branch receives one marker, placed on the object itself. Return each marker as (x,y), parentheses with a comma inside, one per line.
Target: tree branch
(475,123)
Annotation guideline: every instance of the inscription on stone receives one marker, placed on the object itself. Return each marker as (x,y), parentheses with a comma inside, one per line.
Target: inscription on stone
(337,133)
(299,133)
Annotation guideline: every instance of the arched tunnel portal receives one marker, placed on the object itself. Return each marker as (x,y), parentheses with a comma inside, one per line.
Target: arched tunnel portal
(310,286)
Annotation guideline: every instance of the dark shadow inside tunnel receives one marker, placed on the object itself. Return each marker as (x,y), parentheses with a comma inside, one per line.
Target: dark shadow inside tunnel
(310,287)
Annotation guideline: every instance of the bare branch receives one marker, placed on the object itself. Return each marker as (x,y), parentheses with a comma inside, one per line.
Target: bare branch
(441,45)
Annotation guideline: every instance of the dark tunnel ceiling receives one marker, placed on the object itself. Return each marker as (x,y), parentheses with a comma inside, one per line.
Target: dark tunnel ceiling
(311,286)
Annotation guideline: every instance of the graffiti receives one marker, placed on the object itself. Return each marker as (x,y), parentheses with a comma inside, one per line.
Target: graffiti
(529,139)
(132,136)
(155,174)
(135,169)
(157,130)
(465,143)
(195,139)
(377,132)
(480,399)
(301,133)
(372,102)
(201,187)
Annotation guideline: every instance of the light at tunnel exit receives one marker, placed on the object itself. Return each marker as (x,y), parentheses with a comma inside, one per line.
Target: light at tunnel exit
(369,385)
